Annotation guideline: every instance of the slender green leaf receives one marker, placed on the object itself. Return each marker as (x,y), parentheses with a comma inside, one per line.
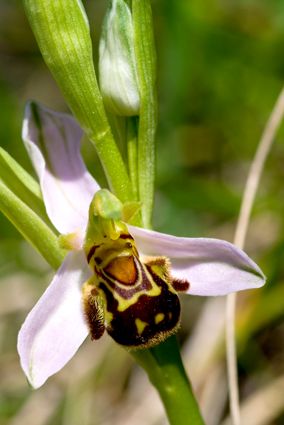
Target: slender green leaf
(22,185)
(33,229)
(62,32)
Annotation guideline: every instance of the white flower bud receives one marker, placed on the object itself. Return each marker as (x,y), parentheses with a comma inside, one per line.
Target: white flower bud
(117,63)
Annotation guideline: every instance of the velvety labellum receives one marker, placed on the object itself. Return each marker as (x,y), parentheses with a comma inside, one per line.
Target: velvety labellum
(134,299)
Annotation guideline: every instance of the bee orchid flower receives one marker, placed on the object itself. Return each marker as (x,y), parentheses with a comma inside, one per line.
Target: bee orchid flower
(57,325)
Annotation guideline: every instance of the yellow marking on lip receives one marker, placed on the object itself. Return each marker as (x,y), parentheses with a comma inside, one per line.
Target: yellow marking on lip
(123,303)
(140,325)
(159,317)
(108,318)
(153,292)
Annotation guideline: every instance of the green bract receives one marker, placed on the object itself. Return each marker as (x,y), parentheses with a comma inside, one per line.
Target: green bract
(33,229)
(62,32)
(117,63)
(22,185)
(21,202)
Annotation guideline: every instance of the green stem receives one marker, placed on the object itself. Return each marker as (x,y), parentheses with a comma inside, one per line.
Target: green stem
(132,124)
(146,60)
(166,372)
(127,130)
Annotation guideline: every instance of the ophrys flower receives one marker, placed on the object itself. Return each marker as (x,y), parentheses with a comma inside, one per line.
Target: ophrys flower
(57,326)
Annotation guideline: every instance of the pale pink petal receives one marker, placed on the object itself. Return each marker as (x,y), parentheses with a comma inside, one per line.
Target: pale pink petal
(53,144)
(211,266)
(56,326)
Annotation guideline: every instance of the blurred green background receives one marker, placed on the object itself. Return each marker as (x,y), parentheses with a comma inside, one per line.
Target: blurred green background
(220,70)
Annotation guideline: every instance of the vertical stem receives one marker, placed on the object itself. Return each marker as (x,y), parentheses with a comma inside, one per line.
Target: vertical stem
(127,128)
(166,372)
(251,187)
(132,124)
(120,124)
(146,60)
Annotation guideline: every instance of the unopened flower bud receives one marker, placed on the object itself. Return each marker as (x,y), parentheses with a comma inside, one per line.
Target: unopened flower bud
(117,63)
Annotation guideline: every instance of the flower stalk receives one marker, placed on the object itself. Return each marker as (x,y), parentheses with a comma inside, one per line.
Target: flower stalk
(146,61)
(132,125)
(165,369)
